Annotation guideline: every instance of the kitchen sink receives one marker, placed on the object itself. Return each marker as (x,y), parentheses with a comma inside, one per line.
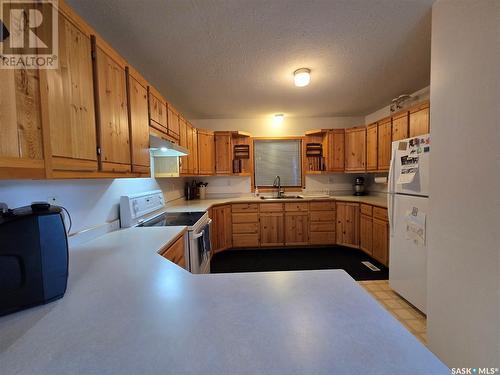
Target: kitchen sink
(282,197)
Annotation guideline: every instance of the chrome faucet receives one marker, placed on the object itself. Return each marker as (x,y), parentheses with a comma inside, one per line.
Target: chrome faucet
(277,184)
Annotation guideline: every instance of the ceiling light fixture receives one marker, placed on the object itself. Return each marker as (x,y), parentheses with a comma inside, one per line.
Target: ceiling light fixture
(302,77)
(278,118)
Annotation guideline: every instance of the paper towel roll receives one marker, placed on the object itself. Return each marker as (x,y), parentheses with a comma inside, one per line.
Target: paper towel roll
(381,180)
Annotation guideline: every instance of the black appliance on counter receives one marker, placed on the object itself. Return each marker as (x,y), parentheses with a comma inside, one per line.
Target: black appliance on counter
(359,186)
(33,257)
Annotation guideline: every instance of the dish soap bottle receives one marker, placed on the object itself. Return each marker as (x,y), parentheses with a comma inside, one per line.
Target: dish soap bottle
(256,192)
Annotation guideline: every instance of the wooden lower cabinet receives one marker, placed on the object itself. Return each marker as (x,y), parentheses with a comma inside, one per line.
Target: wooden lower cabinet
(296,228)
(380,246)
(347,227)
(245,225)
(272,231)
(366,233)
(221,233)
(322,223)
(176,252)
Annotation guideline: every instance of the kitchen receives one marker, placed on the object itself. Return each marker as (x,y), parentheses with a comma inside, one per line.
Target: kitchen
(118,153)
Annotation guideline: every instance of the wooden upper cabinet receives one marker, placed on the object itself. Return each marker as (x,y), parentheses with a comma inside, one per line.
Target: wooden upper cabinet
(157,111)
(183,141)
(21,146)
(371,147)
(384,135)
(112,112)
(193,158)
(400,126)
(68,102)
(206,152)
(173,123)
(223,153)
(355,149)
(336,150)
(419,120)
(139,122)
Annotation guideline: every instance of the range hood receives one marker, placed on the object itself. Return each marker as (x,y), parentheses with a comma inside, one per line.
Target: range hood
(160,147)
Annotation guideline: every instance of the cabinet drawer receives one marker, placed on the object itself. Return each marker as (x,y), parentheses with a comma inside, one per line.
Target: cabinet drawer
(322,206)
(245,240)
(380,213)
(321,238)
(246,228)
(366,209)
(322,216)
(296,206)
(271,207)
(245,207)
(322,226)
(245,218)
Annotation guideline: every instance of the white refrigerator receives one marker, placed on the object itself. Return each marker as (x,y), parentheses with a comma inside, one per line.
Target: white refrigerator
(408,208)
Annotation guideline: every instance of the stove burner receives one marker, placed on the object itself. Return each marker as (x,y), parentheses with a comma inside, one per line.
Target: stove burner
(169,219)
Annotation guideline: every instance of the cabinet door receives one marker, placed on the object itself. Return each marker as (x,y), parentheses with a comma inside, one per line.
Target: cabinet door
(139,125)
(355,149)
(194,151)
(183,141)
(371,147)
(384,144)
(223,153)
(400,126)
(206,152)
(221,228)
(296,228)
(365,230)
(380,249)
(419,120)
(173,123)
(113,127)
(348,224)
(70,106)
(336,150)
(272,229)
(21,150)
(157,111)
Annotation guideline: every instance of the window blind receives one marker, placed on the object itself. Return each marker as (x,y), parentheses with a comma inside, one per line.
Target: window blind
(278,158)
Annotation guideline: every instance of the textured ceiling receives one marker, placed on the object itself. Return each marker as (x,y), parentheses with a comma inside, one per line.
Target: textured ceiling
(235,58)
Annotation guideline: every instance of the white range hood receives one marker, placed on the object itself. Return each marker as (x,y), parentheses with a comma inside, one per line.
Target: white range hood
(160,147)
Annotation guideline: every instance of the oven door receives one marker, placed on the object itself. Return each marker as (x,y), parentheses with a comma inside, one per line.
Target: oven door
(200,249)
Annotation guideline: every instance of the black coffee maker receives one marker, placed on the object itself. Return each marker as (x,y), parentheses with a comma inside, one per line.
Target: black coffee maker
(33,257)
(359,186)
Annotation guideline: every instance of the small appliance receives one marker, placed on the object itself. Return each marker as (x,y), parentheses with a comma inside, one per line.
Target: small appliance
(359,186)
(33,257)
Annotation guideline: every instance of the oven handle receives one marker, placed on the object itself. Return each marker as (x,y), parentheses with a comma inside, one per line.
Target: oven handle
(199,234)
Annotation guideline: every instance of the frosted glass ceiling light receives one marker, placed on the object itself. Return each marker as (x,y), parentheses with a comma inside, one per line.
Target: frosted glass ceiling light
(302,77)
(278,118)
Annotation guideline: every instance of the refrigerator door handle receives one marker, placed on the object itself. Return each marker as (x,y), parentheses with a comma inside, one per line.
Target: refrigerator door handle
(391,191)
(390,206)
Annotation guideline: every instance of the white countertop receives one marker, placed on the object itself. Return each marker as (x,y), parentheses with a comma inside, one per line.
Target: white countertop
(130,311)
(205,204)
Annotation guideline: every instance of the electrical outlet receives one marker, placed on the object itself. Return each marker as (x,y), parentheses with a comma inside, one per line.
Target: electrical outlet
(53,201)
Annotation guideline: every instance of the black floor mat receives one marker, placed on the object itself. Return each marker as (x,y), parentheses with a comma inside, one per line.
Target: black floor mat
(336,257)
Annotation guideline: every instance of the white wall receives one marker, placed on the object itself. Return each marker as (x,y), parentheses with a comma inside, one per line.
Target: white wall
(291,126)
(464,226)
(90,202)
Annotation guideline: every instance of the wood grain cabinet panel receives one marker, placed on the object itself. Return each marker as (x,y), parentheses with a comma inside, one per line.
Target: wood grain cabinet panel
(69,103)
(139,124)
(221,228)
(223,153)
(271,207)
(173,123)
(297,206)
(380,244)
(183,141)
(371,147)
(206,152)
(347,227)
(355,149)
(384,136)
(322,206)
(112,114)
(366,235)
(243,217)
(272,231)
(176,252)
(245,207)
(158,112)
(336,150)
(193,151)
(296,228)
(21,148)
(400,126)
(419,120)
(245,240)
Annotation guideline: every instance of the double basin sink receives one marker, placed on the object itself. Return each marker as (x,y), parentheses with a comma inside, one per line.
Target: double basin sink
(283,197)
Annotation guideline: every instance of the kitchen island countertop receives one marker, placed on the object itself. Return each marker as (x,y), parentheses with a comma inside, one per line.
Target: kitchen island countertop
(130,311)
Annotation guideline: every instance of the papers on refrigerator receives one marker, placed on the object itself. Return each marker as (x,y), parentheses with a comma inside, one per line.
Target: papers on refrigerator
(415,226)
(409,168)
